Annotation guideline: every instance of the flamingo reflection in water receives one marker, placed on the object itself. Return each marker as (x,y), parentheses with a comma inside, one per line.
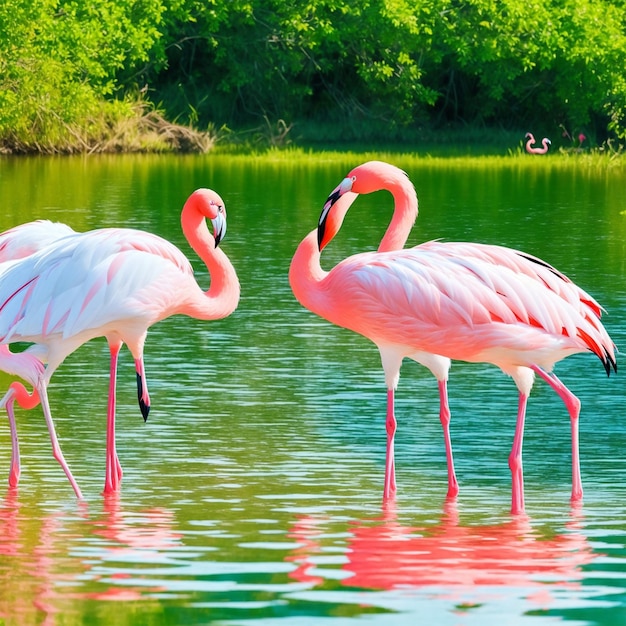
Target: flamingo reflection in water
(449,559)
(135,536)
(31,546)
(29,579)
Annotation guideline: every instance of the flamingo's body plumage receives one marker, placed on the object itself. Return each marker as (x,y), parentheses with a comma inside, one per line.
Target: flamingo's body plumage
(460,301)
(17,243)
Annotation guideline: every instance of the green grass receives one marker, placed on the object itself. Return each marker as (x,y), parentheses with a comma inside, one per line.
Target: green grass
(513,157)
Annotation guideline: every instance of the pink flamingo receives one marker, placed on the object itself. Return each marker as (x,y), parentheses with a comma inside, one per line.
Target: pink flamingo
(114,283)
(308,282)
(16,243)
(545,142)
(463,301)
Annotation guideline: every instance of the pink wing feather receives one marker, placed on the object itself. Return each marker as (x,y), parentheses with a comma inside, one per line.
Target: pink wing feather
(24,239)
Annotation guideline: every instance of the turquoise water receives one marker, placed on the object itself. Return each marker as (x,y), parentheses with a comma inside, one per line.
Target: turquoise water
(252,495)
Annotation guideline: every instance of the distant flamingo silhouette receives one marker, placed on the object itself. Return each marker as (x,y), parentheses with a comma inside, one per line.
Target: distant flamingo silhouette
(114,283)
(463,301)
(545,142)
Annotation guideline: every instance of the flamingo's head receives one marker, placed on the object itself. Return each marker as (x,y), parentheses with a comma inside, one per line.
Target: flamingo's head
(366,178)
(211,206)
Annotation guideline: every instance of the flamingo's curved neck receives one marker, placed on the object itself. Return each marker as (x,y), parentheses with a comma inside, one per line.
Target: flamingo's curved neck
(306,273)
(404,216)
(222,297)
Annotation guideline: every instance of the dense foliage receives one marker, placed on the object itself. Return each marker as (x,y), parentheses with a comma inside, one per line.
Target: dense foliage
(60,63)
(73,68)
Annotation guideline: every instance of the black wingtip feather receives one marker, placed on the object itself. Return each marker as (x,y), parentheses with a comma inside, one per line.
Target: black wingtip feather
(538,261)
(609,362)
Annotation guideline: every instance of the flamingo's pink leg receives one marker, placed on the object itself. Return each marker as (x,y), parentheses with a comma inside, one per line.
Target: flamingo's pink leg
(113,471)
(390,470)
(572,404)
(515,459)
(56,449)
(14,474)
(444,417)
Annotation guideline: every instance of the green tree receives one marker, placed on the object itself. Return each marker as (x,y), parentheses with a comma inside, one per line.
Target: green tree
(509,62)
(59,62)
(260,58)
(529,61)
(71,68)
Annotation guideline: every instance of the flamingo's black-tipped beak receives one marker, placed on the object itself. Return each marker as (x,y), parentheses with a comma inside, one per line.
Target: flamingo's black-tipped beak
(145,410)
(144,407)
(321,224)
(343,187)
(219,226)
(320,234)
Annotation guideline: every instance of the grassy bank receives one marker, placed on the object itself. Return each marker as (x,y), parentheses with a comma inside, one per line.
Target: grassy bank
(603,157)
(113,127)
(138,127)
